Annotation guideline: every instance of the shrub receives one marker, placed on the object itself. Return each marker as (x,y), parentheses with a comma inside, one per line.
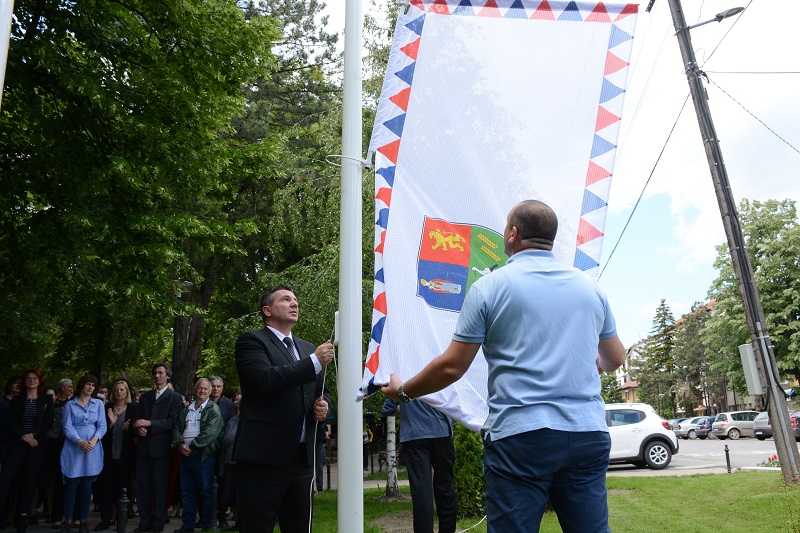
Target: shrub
(468,470)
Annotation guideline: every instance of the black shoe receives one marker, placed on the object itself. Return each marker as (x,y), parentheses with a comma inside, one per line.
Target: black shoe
(64,528)
(141,529)
(102,526)
(184,529)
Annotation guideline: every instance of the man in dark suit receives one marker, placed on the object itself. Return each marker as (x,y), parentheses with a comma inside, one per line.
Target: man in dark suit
(228,411)
(155,418)
(283,399)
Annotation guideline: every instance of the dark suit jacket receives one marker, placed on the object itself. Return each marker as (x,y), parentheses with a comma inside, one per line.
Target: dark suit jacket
(44,418)
(277,392)
(162,415)
(227,408)
(128,441)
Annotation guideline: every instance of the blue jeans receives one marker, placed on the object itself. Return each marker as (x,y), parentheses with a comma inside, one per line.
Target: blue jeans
(524,471)
(196,477)
(82,488)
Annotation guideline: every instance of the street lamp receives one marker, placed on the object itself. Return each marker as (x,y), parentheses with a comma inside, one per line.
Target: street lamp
(754,313)
(719,17)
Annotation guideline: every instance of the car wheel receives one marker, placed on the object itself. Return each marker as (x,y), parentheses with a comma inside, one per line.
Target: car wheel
(759,437)
(702,437)
(734,434)
(692,434)
(721,437)
(657,455)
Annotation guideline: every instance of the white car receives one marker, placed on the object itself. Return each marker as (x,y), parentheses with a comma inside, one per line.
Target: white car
(639,436)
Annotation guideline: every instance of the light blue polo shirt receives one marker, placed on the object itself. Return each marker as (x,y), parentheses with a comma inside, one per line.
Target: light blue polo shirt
(539,322)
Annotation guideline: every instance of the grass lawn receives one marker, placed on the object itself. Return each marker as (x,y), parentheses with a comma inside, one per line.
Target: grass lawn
(738,502)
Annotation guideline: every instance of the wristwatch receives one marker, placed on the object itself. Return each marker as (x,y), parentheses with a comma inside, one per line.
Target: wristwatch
(405,398)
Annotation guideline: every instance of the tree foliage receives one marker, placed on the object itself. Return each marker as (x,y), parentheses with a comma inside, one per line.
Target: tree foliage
(468,470)
(654,369)
(608,388)
(116,161)
(772,236)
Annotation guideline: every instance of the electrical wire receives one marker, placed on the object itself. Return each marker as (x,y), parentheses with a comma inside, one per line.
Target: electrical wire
(750,72)
(314,448)
(624,142)
(663,148)
(752,115)
(733,25)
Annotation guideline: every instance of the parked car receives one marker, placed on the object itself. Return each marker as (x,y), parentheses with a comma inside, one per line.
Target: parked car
(674,422)
(686,429)
(703,428)
(734,424)
(762,427)
(794,418)
(639,436)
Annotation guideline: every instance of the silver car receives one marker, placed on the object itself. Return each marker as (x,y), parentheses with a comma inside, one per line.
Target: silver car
(734,424)
(687,428)
(761,426)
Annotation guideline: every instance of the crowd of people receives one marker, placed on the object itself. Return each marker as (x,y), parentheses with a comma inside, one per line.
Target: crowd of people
(66,449)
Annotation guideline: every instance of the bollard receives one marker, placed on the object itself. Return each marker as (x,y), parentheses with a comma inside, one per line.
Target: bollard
(122,511)
(728,458)
(328,464)
(214,489)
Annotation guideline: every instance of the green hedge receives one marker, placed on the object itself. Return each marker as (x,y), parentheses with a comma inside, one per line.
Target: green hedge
(468,470)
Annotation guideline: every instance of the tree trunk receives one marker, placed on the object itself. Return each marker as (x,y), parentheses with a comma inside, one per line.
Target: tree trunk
(188,333)
(392,489)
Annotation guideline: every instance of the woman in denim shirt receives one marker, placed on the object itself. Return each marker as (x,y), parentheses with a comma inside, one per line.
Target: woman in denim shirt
(81,458)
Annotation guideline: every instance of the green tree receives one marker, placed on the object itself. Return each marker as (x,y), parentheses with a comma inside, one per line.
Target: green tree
(115,164)
(608,388)
(695,382)
(772,234)
(295,209)
(653,370)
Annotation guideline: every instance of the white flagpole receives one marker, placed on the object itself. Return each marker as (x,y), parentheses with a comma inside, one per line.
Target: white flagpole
(6,10)
(349,443)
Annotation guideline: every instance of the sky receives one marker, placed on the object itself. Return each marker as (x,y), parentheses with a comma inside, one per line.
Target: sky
(668,249)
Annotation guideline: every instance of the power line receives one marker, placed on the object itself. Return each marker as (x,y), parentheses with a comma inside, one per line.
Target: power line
(750,72)
(752,115)
(733,25)
(663,148)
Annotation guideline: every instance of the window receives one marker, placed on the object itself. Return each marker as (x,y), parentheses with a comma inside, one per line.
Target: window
(624,417)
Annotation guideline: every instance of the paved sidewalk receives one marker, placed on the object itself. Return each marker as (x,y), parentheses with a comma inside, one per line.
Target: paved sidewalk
(175,523)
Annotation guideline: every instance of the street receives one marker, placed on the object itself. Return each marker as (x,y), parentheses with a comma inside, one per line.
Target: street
(707,456)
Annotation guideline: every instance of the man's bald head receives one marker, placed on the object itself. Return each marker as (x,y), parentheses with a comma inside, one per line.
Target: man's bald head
(536,225)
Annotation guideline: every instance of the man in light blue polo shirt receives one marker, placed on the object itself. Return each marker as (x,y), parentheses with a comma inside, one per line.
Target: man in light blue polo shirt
(547,331)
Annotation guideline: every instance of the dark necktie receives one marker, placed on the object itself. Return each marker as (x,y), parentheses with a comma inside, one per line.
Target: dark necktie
(290,346)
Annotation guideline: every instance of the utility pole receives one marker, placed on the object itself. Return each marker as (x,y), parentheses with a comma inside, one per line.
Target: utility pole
(759,336)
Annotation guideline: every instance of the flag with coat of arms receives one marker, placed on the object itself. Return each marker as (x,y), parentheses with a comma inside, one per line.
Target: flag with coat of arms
(485,103)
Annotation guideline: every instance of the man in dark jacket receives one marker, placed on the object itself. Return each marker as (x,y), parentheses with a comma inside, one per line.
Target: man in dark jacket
(282,399)
(159,408)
